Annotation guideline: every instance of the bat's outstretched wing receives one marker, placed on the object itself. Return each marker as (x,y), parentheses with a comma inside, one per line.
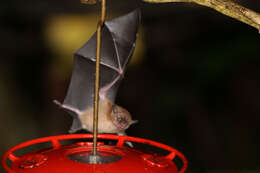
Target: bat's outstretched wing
(117,46)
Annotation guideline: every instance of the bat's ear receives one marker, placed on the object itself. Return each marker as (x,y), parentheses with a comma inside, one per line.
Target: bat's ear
(134,122)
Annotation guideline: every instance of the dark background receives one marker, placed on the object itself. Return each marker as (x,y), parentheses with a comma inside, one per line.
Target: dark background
(195,86)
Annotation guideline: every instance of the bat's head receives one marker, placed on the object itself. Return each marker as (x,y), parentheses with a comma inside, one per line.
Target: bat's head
(121,118)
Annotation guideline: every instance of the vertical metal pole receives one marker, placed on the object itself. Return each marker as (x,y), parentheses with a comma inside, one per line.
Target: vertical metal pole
(97,76)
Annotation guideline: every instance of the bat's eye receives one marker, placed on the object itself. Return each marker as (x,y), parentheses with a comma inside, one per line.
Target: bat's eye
(119,119)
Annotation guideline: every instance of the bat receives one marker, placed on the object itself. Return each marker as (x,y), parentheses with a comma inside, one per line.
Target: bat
(117,46)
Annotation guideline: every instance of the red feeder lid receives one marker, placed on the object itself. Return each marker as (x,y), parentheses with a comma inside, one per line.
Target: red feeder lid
(75,158)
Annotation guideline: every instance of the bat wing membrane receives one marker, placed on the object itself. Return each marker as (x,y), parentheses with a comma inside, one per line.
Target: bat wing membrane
(117,45)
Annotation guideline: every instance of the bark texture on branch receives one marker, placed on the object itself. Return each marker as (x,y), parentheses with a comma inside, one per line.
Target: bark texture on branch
(226,7)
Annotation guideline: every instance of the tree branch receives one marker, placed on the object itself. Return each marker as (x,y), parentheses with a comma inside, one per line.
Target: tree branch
(226,7)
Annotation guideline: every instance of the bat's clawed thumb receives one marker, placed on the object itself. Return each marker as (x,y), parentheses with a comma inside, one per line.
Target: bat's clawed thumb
(57,103)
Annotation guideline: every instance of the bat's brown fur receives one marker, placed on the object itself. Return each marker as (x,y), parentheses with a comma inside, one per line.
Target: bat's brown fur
(111,118)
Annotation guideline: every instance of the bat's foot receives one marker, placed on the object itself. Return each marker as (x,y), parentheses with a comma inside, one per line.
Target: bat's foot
(71,131)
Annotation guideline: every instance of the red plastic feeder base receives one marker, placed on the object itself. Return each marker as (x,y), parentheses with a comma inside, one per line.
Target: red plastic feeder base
(75,158)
